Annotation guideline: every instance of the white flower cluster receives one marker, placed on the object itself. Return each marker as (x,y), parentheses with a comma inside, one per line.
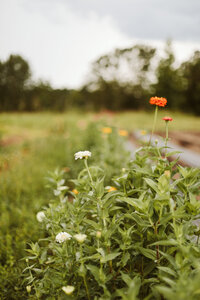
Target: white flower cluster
(62,237)
(80,237)
(40,216)
(68,289)
(82,154)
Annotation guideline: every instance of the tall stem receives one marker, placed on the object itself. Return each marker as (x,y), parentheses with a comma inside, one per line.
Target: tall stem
(84,279)
(157,246)
(86,287)
(166,139)
(154,123)
(86,165)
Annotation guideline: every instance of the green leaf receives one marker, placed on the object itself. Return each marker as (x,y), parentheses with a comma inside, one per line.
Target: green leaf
(94,257)
(172,153)
(126,278)
(149,253)
(152,184)
(95,272)
(109,256)
(92,223)
(165,291)
(125,258)
(133,202)
(170,242)
(163,184)
(167,270)
(141,222)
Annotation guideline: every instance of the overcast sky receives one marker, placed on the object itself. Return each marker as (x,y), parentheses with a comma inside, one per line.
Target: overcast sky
(60,38)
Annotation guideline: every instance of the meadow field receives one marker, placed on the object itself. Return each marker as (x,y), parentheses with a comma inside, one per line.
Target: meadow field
(34,144)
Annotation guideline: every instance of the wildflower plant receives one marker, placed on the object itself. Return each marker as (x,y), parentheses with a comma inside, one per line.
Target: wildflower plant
(139,240)
(158,102)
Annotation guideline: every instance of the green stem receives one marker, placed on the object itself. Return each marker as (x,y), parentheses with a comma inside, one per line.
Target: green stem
(84,279)
(86,165)
(86,287)
(198,240)
(157,246)
(154,123)
(166,139)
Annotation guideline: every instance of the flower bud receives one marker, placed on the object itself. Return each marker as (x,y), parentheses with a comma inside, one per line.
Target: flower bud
(68,290)
(80,237)
(98,234)
(167,173)
(28,288)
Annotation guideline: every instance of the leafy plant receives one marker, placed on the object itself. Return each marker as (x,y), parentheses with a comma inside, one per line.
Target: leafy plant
(140,241)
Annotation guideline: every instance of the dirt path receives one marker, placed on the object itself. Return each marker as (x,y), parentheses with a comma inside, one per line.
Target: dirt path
(189,140)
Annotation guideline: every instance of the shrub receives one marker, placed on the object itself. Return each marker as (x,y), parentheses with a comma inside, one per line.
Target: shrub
(137,241)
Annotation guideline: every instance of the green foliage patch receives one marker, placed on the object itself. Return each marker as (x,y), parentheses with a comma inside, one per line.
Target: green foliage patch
(139,241)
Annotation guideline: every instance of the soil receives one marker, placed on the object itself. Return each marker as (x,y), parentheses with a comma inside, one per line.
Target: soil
(12,140)
(188,139)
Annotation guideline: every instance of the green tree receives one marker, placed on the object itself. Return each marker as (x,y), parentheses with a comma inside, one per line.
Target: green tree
(190,72)
(169,81)
(121,79)
(14,75)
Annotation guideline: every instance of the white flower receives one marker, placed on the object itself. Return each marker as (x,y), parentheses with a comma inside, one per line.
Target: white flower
(68,289)
(62,237)
(40,216)
(80,237)
(82,154)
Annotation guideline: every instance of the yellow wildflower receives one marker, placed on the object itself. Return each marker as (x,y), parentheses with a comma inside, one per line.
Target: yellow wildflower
(112,188)
(123,132)
(106,130)
(75,191)
(143,132)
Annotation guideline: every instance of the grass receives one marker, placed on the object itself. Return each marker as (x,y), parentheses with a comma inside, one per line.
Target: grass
(143,120)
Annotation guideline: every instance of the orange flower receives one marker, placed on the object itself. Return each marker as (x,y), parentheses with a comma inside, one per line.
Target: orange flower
(167,119)
(106,130)
(159,101)
(75,191)
(123,132)
(112,188)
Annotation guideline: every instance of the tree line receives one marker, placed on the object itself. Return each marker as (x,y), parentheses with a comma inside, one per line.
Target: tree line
(121,80)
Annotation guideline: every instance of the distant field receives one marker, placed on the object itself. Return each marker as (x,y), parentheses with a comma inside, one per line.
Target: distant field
(35,125)
(143,120)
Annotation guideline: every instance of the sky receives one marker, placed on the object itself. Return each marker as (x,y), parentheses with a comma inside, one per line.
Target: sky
(61,38)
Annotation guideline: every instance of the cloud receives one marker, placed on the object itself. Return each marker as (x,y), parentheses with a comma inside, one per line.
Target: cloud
(58,43)
(61,38)
(148,19)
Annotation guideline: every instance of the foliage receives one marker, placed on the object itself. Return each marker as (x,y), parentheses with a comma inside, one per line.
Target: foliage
(14,75)
(119,80)
(141,241)
(46,142)
(190,72)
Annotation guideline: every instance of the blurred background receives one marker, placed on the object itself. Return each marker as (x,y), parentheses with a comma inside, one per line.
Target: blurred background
(99,55)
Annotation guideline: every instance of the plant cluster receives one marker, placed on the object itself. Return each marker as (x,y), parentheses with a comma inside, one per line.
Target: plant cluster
(136,240)
(52,142)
